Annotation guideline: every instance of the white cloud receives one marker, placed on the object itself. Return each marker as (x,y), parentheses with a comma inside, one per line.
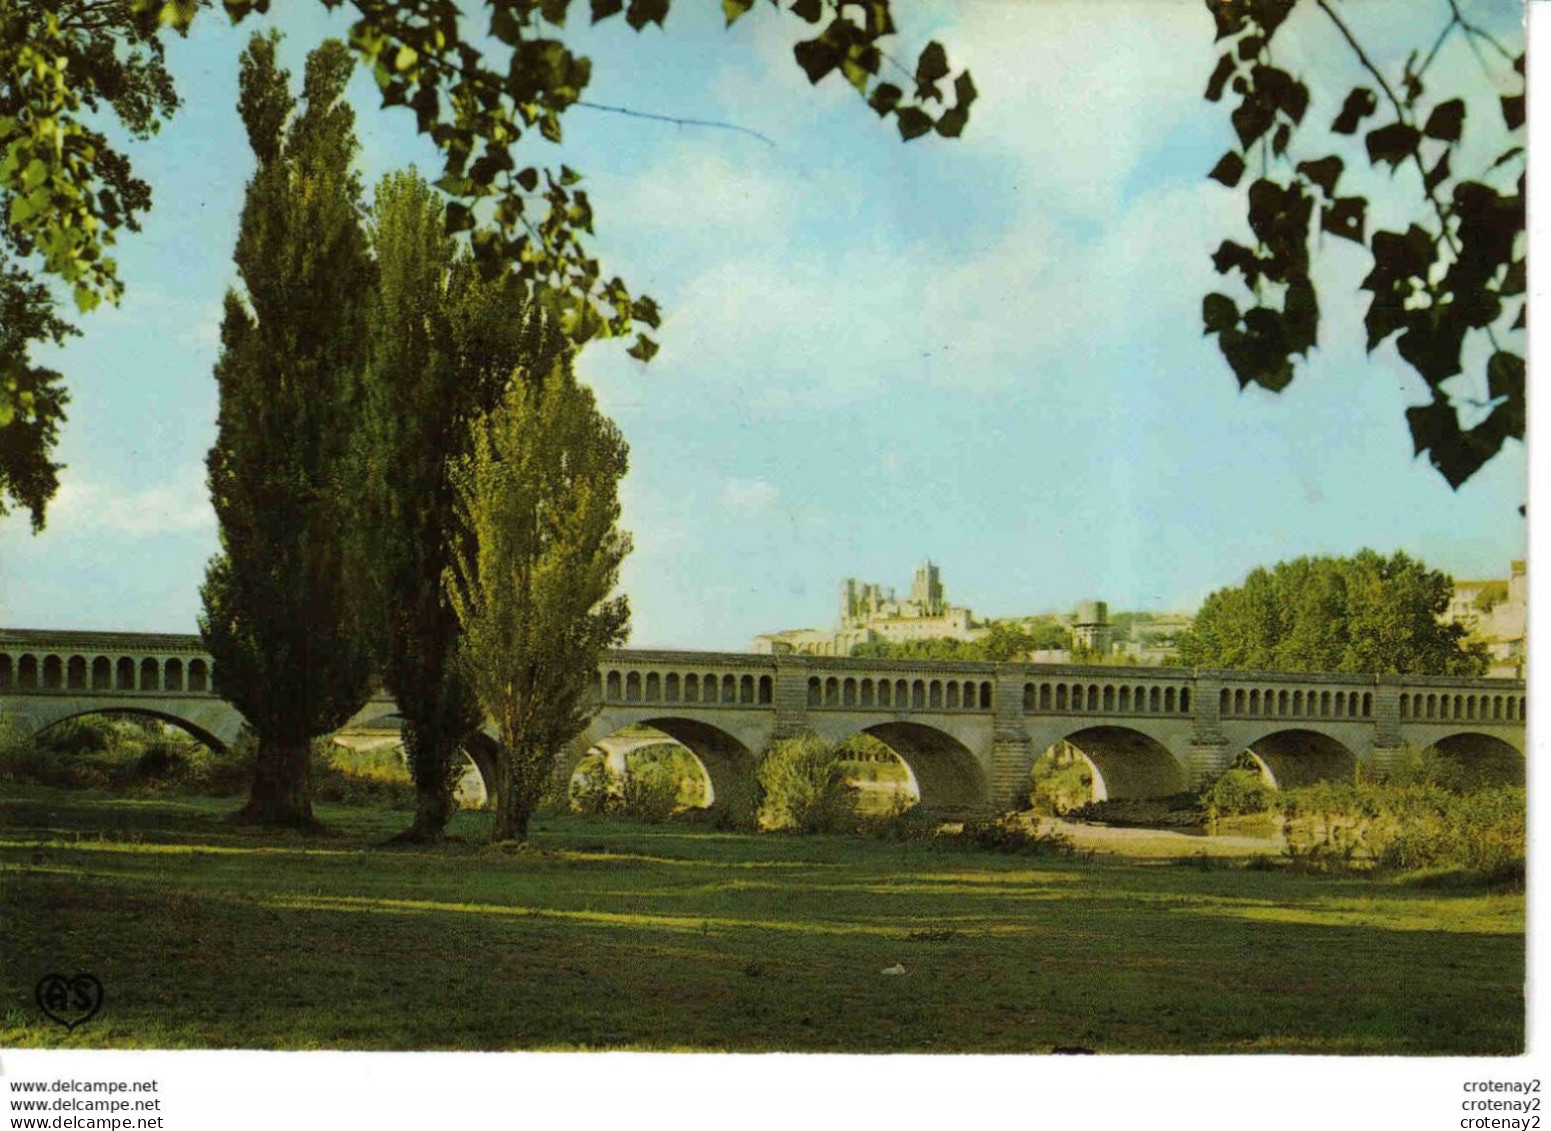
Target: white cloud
(750,496)
(1121,74)
(698,188)
(83,507)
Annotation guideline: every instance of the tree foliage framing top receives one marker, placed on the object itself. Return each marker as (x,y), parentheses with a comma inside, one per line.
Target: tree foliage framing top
(65,192)
(1455,275)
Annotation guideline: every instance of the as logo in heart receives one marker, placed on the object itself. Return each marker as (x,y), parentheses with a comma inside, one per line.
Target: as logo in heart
(70,1001)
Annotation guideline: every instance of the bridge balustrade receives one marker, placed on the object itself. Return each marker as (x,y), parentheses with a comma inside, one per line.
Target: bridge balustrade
(1107,698)
(724,689)
(67,673)
(67,663)
(899,694)
(1423,706)
(1295,703)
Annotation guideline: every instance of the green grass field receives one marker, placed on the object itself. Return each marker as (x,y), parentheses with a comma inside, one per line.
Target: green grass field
(612,934)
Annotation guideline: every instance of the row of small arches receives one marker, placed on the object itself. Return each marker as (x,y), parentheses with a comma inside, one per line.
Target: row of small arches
(900,694)
(1297,704)
(1106,698)
(55,673)
(654,687)
(1504,708)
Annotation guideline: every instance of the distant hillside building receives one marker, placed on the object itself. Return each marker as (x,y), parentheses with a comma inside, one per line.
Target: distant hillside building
(1495,612)
(868,613)
(1152,638)
(1090,627)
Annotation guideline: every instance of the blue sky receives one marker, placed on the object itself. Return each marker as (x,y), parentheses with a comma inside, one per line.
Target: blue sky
(986,351)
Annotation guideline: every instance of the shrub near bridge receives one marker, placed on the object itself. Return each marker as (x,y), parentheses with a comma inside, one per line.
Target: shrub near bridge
(802,787)
(659,782)
(1407,827)
(112,752)
(140,754)
(1238,792)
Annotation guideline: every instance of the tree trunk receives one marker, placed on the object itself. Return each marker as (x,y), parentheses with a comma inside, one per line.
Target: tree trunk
(433,809)
(282,787)
(514,800)
(429,761)
(508,824)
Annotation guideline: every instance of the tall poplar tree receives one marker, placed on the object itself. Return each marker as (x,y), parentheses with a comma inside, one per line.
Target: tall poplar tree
(539,494)
(446,344)
(276,616)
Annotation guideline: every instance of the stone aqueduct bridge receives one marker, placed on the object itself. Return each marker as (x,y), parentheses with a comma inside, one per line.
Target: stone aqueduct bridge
(968,731)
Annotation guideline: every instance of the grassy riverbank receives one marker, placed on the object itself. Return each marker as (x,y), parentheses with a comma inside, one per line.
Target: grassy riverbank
(612,934)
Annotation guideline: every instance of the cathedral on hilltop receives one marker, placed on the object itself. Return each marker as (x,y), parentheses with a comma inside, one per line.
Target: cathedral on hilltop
(868,613)
(871,614)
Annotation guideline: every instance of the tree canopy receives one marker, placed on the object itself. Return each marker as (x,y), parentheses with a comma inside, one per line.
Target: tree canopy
(65,192)
(446,344)
(28,477)
(476,89)
(533,586)
(1448,284)
(1365,613)
(277,618)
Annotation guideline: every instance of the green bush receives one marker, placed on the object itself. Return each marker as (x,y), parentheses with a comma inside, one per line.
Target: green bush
(368,779)
(650,789)
(101,752)
(903,819)
(735,808)
(1426,766)
(1239,791)
(593,790)
(83,736)
(659,782)
(802,787)
(1407,827)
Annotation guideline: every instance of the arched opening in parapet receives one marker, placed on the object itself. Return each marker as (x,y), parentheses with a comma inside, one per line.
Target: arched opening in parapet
(640,771)
(948,778)
(1471,761)
(1127,763)
(131,747)
(882,781)
(1291,758)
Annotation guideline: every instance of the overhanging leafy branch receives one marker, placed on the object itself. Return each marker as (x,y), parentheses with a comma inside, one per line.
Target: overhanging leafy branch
(1452,275)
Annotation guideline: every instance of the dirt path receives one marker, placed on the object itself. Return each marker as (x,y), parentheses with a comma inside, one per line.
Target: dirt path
(1161,843)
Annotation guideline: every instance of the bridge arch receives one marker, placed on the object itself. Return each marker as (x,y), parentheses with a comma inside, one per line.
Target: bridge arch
(478,748)
(948,778)
(620,755)
(1482,759)
(187,726)
(1127,762)
(1297,757)
(727,763)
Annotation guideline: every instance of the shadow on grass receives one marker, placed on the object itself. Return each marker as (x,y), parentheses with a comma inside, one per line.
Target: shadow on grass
(601,939)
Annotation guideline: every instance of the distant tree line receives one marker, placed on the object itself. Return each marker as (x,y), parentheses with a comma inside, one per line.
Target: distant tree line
(1364,613)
